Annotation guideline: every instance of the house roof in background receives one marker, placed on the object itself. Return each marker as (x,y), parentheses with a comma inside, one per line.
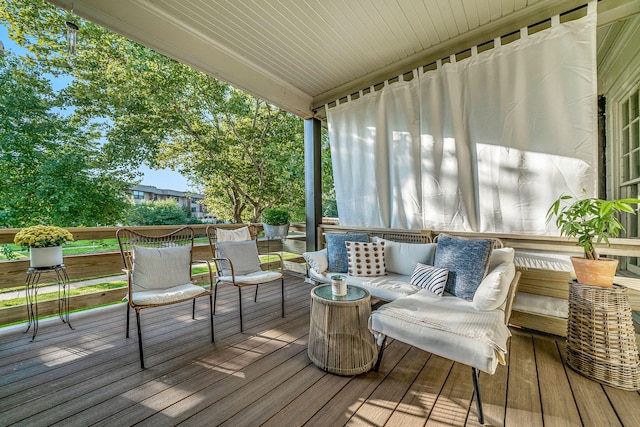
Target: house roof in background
(301,54)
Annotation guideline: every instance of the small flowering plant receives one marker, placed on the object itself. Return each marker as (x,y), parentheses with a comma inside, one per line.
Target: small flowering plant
(42,236)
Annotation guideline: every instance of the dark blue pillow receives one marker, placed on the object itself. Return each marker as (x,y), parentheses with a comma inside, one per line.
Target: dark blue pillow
(337,250)
(467,261)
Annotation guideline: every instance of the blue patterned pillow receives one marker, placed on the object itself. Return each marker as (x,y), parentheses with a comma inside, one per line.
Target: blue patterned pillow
(337,250)
(467,261)
(429,277)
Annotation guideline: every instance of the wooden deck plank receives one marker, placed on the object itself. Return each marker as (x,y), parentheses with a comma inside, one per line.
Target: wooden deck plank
(558,405)
(625,404)
(91,376)
(523,400)
(493,394)
(383,401)
(341,406)
(277,398)
(203,394)
(418,402)
(589,396)
(452,405)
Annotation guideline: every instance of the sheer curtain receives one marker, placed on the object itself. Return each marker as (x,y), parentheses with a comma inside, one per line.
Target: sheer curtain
(483,144)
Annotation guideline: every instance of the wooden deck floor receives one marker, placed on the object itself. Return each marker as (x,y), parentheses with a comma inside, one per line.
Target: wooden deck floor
(91,375)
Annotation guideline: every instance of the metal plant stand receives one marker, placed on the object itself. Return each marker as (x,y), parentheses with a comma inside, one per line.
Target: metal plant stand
(31,287)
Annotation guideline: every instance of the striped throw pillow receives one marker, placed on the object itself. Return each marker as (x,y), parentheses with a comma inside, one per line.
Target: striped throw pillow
(431,278)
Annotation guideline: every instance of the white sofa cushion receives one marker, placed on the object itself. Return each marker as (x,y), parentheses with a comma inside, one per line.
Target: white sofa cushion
(388,288)
(500,255)
(494,288)
(365,259)
(398,320)
(402,258)
(317,260)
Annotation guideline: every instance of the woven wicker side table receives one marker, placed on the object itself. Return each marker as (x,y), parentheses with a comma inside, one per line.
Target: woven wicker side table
(601,344)
(339,338)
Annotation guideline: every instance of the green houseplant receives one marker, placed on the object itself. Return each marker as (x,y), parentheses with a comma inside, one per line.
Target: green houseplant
(592,221)
(44,243)
(275,222)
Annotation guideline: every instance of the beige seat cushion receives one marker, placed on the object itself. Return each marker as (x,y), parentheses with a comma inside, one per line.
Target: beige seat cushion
(167,296)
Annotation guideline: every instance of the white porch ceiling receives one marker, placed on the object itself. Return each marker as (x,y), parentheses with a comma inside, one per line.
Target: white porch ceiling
(299,54)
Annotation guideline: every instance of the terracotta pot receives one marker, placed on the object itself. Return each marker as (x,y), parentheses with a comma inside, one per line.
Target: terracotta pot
(598,272)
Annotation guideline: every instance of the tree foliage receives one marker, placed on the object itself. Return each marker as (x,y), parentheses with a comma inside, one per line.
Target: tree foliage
(247,154)
(51,167)
(161,212)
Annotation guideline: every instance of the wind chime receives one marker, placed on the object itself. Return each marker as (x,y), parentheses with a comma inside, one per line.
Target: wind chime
(72,30)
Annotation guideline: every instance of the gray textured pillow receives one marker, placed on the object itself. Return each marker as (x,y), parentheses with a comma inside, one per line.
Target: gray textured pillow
(467,261)
(160,268)
(337,250)
(243,256)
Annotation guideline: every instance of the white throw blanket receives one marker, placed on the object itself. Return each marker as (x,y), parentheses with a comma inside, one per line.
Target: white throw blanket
(490,330)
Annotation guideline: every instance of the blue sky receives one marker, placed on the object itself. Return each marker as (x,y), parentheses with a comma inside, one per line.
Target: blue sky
(163,178)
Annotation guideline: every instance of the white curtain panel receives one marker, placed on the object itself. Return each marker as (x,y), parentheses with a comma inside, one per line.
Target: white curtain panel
(483,144)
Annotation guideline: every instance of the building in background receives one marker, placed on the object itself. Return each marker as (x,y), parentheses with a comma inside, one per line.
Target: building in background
(194,202)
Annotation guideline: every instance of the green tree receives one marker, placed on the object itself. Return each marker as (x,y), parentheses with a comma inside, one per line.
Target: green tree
(161,212)
(247,154)
(51,168)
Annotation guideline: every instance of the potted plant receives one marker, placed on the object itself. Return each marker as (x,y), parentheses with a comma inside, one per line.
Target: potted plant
(592,221)
(275,222)
(44,243)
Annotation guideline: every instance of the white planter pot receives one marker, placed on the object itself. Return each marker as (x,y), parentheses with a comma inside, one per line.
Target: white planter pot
(46,257)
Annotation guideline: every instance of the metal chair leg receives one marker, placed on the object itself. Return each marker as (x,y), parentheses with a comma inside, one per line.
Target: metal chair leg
(377,365)
(193,312)
(128,310)
(215,294)
(211,315)
(140,339)
(240,302)
(255,298)
(282,293)
(476,391)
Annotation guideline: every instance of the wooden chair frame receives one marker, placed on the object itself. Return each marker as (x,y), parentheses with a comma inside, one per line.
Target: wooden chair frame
(127,239)
(211,234)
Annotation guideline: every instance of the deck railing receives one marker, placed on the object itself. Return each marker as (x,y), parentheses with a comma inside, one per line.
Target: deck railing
(109,263)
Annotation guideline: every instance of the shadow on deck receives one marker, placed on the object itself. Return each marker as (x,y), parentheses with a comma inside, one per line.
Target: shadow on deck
(91,375)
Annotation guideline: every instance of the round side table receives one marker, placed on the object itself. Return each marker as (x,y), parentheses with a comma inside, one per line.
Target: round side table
(339,338)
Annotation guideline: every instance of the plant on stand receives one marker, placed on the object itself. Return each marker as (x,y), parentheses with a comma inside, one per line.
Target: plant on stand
(44,243)
(275,222)
(592,221)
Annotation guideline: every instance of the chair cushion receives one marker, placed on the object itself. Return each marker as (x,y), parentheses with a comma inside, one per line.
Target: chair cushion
(467,261)
(494,288)
(365,259)
(317,260)
(337,250)
(431,278)
(402,258)
(167,296)
(237,235)
(160,268)
(253,278)
(243,255)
